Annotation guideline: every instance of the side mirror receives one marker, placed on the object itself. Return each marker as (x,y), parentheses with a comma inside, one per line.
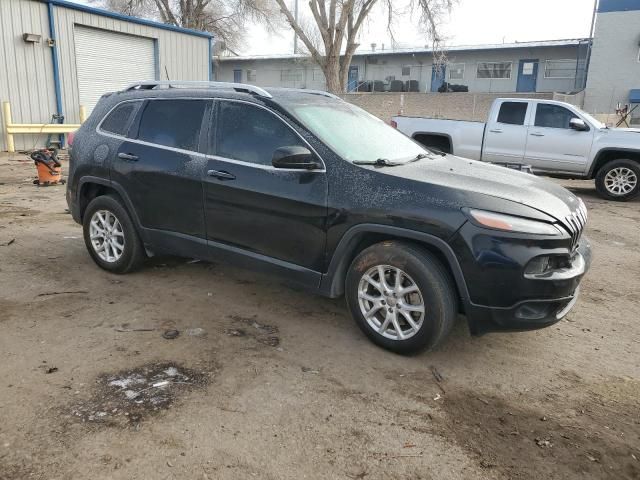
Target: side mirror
(298,158)
(578,124)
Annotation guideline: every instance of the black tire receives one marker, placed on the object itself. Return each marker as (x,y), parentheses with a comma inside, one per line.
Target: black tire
(624,165)
(435,286)
(133,253)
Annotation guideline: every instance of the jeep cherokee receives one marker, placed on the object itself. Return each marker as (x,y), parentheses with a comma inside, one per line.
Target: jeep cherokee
(303,185)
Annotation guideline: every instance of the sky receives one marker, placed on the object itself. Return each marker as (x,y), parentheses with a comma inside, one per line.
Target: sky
(472,22)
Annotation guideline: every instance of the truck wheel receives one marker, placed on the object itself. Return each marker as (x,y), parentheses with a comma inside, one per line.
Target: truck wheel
(401,297)
(619,180)
(110,235)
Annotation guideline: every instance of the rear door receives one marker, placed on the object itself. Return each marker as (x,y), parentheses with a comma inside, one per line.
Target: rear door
(553,145)
(505,135)
(250,204)
(160,168)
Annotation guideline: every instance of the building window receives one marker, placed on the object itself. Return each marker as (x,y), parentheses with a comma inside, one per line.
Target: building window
(292,75)
(560,69)
(456,71)
(251,75)
(317,75)
(494,70)
(406,71)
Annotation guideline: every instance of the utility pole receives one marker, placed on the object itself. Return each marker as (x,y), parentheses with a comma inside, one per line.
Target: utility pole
(295,35)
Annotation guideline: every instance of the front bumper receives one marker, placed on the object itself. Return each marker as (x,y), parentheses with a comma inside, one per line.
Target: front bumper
(502,297)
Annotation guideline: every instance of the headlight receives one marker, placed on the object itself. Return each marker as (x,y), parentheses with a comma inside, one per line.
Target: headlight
(509,223)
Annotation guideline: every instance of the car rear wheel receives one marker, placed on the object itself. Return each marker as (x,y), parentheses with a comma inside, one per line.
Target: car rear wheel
(619,180)
(401,297)
(110,235)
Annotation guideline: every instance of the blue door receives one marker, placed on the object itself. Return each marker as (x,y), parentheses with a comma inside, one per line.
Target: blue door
(437,77)
(527,76)
(237,76)
(352,82)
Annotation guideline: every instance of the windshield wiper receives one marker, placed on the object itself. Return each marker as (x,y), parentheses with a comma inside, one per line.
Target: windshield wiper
(380,162)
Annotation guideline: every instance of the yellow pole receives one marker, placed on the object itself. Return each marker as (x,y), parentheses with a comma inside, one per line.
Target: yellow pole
(83,113)
(6,111)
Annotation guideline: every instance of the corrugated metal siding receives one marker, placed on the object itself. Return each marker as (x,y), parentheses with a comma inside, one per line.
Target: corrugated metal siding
(107,61)
(174,51)
(26,70)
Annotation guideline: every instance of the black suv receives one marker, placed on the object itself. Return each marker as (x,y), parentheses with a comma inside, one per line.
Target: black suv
(302,184)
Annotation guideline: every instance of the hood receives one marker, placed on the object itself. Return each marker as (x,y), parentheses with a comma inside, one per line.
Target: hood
(492,180)
(629,130)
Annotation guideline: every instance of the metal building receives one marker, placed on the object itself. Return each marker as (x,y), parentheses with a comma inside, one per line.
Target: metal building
(614,68)
(56,56)
(541,66)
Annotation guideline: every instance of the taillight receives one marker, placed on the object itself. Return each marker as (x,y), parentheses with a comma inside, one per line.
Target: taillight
(70,137)
(394,124)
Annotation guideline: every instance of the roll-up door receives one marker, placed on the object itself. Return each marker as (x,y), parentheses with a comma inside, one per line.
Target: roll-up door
(108,61)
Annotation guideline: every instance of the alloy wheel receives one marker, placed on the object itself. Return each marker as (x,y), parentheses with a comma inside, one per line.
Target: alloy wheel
(107,236)
(620,181)
(391,302)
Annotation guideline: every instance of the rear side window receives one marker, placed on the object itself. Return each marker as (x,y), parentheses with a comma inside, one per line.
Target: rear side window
(553,116)
(512,113)
(252,134)
(172,123)
(118,120)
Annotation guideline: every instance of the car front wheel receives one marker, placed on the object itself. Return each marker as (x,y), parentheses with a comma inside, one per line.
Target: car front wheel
(110,235)
(401,296)
(619,180)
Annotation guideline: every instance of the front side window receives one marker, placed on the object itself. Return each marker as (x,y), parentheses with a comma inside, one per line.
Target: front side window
(252,134)
(118,120)
(354,134)
(172,123)
(512,113)
(553,116)
(494,70)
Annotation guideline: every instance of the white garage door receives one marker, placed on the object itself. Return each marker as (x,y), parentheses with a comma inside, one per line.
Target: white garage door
(108,61)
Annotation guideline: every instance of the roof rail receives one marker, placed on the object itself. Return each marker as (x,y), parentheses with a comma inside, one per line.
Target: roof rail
(239,87)
(315,92)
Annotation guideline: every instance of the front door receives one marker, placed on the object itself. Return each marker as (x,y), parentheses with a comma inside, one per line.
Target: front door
(527,76)
(160,168)
(276,214)
(352,84)
(237,76)
(505,135)
(553,145)
(437,76)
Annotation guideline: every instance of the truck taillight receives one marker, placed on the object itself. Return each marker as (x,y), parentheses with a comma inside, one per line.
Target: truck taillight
(70,137)
(394,124)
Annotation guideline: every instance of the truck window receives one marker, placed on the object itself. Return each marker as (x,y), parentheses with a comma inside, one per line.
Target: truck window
(512,113)
(553,116)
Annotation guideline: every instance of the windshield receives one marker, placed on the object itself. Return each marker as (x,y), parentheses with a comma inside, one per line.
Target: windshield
(590,119)
(354,134)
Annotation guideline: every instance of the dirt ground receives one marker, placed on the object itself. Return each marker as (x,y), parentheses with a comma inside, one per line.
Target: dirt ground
(267,382)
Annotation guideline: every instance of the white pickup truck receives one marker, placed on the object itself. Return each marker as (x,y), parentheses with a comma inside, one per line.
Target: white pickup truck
(554,138)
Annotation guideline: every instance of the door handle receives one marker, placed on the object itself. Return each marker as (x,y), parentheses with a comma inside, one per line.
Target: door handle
(495,131)
(221,175)
(128,156)
(537,134)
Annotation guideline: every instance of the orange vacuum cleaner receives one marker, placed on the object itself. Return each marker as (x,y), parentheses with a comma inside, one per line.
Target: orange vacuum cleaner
(48,166)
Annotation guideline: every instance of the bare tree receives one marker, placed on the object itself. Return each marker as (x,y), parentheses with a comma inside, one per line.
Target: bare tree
(224,18)
(339,23)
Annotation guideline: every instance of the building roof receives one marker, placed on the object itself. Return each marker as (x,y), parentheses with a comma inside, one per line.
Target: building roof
(569,42)
(126,18)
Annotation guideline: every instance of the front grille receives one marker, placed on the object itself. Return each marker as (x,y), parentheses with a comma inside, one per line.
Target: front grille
(574,224)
